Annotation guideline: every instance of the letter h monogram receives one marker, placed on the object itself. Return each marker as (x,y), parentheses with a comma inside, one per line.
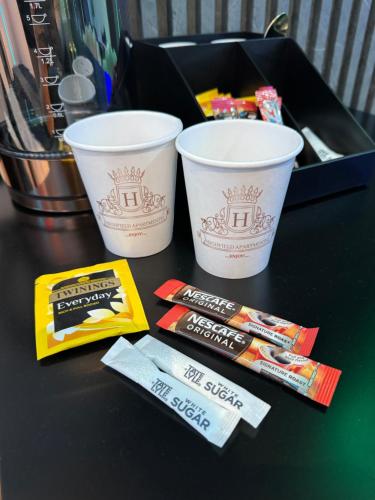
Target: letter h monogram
(130,199)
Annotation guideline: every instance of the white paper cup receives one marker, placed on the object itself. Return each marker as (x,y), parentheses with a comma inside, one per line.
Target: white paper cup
(127,161)
(171,45)
(81,65)
(236,175)
(77,93)
(228,40)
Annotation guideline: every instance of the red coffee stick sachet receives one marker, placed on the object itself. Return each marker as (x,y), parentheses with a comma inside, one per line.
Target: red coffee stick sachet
(310,378)
(280,332)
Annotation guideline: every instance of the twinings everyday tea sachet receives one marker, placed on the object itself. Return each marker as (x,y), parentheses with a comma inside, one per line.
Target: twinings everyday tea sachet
(86,304)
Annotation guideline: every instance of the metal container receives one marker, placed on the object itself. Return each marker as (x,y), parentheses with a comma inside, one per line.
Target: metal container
(57,65)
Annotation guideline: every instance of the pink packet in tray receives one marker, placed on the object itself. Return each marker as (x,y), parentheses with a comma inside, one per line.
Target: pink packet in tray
(269,104)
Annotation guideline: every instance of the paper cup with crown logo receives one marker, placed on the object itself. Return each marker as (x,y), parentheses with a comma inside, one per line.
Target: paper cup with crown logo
(236,175)
(127,161)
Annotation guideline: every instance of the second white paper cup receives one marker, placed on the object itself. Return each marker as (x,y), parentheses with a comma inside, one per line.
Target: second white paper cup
(236,175)
(127,161)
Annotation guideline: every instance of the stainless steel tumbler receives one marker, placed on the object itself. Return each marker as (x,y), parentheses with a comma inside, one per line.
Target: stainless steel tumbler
(57,65)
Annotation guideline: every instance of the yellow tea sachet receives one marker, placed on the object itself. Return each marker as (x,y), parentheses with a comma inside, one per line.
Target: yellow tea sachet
(207,95)
(86,304)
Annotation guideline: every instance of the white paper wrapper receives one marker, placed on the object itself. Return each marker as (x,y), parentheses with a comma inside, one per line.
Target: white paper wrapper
(236,175)
(206,381)
(321,149)
(214,422)
(127,161)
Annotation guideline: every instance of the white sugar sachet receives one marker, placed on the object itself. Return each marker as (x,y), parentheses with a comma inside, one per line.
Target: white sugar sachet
(206,381)
(211,420)
(321,149)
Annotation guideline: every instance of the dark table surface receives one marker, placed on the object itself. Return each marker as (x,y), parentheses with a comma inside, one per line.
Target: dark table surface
(70,428)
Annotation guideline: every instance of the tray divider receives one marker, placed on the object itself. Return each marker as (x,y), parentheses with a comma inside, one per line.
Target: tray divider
(307,155)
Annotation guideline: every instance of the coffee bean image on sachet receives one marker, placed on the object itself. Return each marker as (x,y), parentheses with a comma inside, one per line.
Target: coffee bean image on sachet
(310,378)
(280,332)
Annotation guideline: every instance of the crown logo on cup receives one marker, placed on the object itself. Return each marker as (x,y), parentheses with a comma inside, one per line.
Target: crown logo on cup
(125,175)
(242,195)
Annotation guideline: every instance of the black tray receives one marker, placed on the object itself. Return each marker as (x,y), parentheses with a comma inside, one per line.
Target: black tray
(168,79)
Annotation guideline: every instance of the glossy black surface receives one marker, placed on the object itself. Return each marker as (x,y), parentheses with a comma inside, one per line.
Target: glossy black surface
(72,429)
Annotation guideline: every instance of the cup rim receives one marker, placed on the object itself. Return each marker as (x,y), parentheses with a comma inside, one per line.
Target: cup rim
(228,40)
(130,147)
(177,43)
(239,164)
(83,78)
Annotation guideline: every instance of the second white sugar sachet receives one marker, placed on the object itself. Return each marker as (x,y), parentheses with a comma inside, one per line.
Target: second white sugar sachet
(211,420)
(206,381)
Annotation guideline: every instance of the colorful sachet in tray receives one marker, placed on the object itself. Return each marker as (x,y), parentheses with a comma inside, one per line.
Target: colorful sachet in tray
(223,106)
(269,104)
(310,378)
(280,332)
(86,304)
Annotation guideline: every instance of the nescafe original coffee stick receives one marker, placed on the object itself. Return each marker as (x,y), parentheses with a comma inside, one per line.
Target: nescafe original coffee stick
(310,378)
(280,332)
